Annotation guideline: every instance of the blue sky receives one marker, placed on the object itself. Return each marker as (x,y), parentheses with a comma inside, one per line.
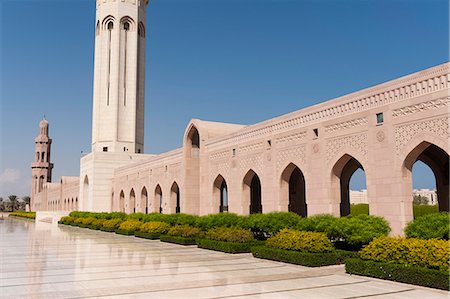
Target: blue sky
(204,58)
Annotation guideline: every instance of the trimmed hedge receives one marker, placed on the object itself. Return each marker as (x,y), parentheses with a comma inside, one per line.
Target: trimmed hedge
(228,247)
(408,274)
(155,227)
(124,232)
(291,239)
(230,234)
(23,214)
(303,258)
(431,226)
(422,210)
(111,225)
(128,227)
(144,235)
(178,240)
(184,231)
(359,209)
(433,254)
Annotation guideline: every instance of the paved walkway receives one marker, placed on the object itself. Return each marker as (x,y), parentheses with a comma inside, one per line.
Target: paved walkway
(43,261)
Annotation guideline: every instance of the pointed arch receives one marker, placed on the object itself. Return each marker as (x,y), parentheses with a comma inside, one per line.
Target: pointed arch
(438,160)
(342,171)
(159,198)
(252,192)
(220,193)
(122,201)
(108,23)
(132,202)
(175,197)
(293,190)
(144,200)
(86,189)
(193,138)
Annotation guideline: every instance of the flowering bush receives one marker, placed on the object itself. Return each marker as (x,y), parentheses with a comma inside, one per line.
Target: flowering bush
(130,225)
(88,221)
(23,214)
(155,227)
(290,239)
(229,234)
(433,254)
(67,219)
(112,223)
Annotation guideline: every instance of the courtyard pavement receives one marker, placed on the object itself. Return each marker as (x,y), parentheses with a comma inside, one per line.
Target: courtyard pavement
(42,260)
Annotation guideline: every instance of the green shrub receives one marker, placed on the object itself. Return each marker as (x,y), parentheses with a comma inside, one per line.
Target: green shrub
(358,230)
(291,239)
(318,223)
(156,217)
(130,225)
(97,223)
(112,224)
(265,225)
(303,258)
(116,215)
(408,274)
(23,214)
(431,226)
(149,236)
(136,216)
(178,240)
(228,247)
(422,210)
(87,221)
(184,231)
(219,220)
(433,254)
(230,234)
(359,209)
(155,227)
(67,220)
(78,221)
(79,214)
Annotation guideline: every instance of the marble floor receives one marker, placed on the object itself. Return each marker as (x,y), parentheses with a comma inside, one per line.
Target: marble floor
(42,260)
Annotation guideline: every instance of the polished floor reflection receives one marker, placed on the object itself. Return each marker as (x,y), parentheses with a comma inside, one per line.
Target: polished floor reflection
(41,260)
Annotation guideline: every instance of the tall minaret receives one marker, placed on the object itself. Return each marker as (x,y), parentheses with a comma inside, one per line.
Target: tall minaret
(119,76)
(41,168)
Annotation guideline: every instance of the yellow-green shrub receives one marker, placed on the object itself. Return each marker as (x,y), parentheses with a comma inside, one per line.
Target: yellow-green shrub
(88,221)
(67,219)
(433,254)
(23,214)
(79,220)
(112,224)
(155,227)
(184,231)
(291,239)
(98,223)
(130,225)
(230,234)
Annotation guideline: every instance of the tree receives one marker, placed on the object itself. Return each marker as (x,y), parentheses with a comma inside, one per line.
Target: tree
(420,200)
(26,200)
(13,202)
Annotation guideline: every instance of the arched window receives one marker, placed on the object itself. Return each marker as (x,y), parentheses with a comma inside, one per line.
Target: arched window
(110,25)
(194,138)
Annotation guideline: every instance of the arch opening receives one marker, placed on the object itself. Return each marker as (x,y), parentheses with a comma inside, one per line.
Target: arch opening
(132,207)
(220,193)
(122,201)
(144,199)
(159,198)
(175,197)
(438,161)
(344,169)
(252,192)
(293,187)
(194,138)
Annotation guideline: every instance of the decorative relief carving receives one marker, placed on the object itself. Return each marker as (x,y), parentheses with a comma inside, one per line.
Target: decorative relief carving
(253,162)
(219,155)
(437,126)
(291,154)
(419,84)
(250,148)
(222,168)
(358,142)
(316,148)
(429,105)
(291,138)
(380,136)
(346,125)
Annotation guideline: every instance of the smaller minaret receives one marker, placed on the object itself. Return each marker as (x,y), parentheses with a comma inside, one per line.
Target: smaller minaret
(41,168)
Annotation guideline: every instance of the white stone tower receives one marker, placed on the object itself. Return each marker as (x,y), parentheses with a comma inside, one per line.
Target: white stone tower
(41,168)
(118,101)
(119,76)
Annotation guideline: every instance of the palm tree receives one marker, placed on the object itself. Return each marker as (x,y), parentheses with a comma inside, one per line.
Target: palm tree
(13,201)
